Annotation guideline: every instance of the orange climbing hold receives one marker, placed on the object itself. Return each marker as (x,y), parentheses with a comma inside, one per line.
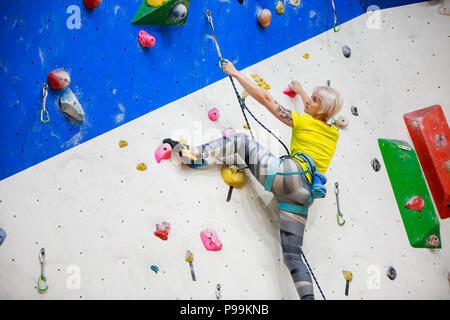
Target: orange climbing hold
(264,17)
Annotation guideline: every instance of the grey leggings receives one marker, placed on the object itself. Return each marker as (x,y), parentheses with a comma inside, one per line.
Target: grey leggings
(293,189)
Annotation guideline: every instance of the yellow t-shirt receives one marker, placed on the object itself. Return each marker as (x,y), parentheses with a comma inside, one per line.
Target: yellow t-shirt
(316,139)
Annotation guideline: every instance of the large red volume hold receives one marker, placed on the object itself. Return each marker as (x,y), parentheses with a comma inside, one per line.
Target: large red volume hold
(430,135)
(92,4)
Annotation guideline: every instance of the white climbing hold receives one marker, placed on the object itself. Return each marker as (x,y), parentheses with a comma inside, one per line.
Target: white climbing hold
(70,105)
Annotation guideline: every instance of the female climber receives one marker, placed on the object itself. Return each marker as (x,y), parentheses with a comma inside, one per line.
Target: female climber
(311,136)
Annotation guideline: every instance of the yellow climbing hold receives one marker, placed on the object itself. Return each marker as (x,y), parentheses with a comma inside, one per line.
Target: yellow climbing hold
(123,143)
(141,166)
(306,55)
(189,257)
(244,94)
(279,7)
(155,3)
(347,275)
(246,127)
(233,177)
(260,82)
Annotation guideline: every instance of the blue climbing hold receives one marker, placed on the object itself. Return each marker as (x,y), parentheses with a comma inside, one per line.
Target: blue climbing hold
(155,268)
(2,236)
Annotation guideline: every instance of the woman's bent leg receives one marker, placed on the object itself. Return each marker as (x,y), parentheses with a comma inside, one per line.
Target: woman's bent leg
(250,151)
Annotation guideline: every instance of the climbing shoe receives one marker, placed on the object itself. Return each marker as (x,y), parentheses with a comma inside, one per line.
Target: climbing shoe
(187,155)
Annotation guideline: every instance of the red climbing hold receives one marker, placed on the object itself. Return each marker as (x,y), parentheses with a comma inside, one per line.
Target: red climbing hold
(58,79)
(162,231)
(289,92)
(146,40)
(416,203)
(92,4)
(433,241)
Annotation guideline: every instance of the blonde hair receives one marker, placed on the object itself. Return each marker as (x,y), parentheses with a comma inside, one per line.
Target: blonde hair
(330,99)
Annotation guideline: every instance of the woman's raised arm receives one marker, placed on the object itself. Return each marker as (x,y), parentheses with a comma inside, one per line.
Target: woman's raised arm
(259,94)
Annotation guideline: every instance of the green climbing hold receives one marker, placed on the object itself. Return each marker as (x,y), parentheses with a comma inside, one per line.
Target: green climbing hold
(172,12)
(407,181)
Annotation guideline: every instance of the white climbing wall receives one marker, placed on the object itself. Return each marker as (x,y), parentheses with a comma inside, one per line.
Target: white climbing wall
(95,214)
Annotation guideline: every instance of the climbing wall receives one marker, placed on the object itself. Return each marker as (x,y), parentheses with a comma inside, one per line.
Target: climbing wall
(80,196)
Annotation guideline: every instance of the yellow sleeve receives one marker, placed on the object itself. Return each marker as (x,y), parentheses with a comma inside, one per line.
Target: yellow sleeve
(296,118)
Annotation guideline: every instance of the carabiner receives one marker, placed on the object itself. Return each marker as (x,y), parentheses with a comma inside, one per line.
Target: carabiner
(336,23)
(42,280)
(220,63)
(42,116)
(338,216)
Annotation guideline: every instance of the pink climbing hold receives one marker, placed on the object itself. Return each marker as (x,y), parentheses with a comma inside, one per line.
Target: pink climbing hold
(415,203)
(289,92)
(92,4)
(164,151)
(146,40)
(227,132)
(162,231)
(210,240)
(58,79)
(213,114)
(433,241)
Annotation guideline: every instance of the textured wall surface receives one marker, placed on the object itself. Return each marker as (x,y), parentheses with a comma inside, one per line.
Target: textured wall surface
(95,214)
(114,78)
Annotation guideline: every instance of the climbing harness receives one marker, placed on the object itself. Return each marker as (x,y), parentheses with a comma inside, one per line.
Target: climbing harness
(317,177)
(44,98)
(42,279)
(318,189)
(339,213)
(335,23)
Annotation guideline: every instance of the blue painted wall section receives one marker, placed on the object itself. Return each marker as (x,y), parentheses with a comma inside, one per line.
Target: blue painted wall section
(115,79)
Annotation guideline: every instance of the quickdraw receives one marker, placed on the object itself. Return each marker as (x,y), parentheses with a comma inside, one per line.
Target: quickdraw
(44,98)
(339,215)
(42,282)
(335,23)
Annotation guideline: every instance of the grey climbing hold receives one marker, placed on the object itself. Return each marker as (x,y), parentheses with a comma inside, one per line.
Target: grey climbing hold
(375,164)
(346,51)
(391,273)
(354,111)
(179,11)
(70,105)
(2,236)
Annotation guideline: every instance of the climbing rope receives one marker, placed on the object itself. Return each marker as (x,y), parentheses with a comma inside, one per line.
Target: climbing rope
(315,280)
(244,107)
